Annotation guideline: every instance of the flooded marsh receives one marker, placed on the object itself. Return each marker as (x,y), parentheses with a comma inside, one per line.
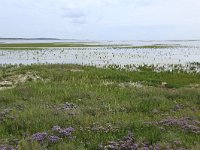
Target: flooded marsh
(103,56)
(105,98)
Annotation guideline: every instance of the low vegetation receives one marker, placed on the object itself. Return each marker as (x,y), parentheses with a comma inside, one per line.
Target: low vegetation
(33,46)
(58,107)
(36,46)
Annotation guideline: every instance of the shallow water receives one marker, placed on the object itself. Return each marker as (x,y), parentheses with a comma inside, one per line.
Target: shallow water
(101,56)
(194,43)
(129,42)
(105,56)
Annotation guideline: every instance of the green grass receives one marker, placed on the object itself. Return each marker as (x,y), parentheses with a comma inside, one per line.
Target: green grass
(32,46)
(34,105)
(13,46)
(44,45)
(150,47)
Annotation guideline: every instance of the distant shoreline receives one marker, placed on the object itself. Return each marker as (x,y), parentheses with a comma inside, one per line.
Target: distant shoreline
(58,39)
(31,39)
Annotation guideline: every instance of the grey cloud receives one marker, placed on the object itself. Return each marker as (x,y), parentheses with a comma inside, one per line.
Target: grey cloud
(73,13)
(75,16)
(79,21)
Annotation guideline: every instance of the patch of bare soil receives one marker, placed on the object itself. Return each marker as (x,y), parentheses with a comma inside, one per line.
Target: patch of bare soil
(131,85)
(125,84)
(11,81)
(194,86)
(76,70)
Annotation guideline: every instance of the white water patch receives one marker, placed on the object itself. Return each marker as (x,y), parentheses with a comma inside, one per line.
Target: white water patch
(102,56)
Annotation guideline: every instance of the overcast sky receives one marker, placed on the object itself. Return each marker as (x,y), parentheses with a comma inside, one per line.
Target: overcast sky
(101,19)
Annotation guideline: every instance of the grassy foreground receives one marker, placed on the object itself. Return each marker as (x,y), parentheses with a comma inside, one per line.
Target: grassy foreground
(91,108)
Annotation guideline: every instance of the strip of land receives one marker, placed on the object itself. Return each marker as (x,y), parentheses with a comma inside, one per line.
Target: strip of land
(79,45)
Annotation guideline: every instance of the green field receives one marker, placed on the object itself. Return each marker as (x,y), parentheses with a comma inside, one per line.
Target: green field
(44,45)
(105,108)
(32,46)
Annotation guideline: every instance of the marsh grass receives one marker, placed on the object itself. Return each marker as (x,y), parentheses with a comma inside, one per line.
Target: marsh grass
(104,112)
(38,46)
(33,45)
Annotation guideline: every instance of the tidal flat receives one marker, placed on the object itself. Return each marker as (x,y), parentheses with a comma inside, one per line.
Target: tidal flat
(62,106)
(101,55)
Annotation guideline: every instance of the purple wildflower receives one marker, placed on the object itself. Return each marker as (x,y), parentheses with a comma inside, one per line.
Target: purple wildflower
(70,129)
(40,136)
(7,147)
(185,123)
(126,142)
(53,139)
(157,147)
(66,132)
